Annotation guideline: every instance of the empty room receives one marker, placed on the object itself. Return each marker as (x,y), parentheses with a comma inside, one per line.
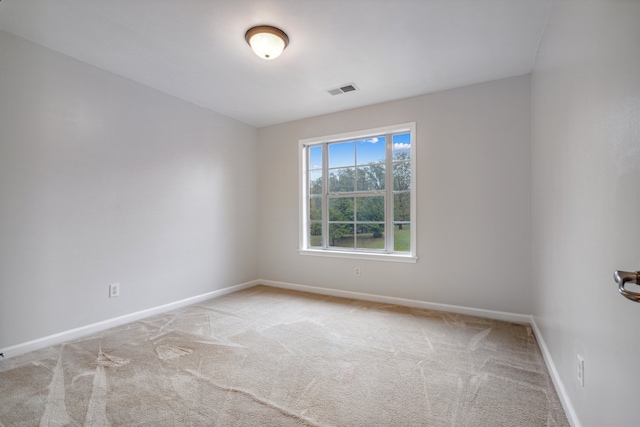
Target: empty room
(322,213)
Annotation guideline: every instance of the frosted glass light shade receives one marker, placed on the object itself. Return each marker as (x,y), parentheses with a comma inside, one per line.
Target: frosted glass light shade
(267,42)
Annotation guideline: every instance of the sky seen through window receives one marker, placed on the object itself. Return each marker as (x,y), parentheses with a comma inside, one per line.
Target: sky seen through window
(368,151)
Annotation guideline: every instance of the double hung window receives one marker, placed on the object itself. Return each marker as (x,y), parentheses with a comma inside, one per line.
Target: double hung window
(358,194)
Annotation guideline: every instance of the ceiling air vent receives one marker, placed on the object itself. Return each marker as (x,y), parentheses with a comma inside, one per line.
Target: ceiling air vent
(343,89)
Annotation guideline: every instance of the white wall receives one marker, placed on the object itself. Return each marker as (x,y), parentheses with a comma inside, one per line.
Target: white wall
(103,180)
(473,167)
(586,203)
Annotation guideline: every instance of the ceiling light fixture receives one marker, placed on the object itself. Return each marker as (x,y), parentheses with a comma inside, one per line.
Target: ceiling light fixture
(267,42)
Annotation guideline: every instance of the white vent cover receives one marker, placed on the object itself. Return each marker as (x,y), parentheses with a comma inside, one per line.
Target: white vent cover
(349,87)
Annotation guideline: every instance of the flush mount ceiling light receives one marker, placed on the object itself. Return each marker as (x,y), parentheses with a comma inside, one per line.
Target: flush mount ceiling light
(267,42)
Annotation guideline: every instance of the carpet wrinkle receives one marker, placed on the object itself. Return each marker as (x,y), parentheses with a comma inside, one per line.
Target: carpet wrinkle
(478,339)
(286,348)
(109,361)
(309,386)
(55,411)
(427,401)
(97,410)
(33,357)
(166,324)
(427,340)
(176,337)
(167,351)
(194,323)
(285,411)
(81,375)
(526,375)
(467,392)
(459,406)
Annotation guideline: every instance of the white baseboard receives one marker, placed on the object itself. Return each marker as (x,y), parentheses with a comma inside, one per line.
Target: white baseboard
(491,314)
(555,376)
(82,331)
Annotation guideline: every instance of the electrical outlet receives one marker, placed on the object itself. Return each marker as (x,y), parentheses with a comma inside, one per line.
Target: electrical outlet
(114,290)
(357,272)
(580,370)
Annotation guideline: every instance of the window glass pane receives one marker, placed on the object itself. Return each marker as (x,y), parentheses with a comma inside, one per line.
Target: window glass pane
(341,180)
(341,235)
(370,178)
(315,208)
(370,208)
(357,198)
(401,146)
(402,207)
(371,150)
(315,182)
(341,209)
(315,237)
(402,237)
(402,176)
(315,157)
(342,154)
(370,236)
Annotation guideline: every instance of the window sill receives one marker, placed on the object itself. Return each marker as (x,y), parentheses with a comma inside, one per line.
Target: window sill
(358,255)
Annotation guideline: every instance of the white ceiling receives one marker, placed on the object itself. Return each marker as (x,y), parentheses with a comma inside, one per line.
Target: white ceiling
(195,49)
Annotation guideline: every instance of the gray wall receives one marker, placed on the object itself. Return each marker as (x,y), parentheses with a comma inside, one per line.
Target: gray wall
(586,203)
(473,168)
(103,181)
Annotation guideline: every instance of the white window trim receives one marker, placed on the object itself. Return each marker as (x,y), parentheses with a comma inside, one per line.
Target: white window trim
(410,257)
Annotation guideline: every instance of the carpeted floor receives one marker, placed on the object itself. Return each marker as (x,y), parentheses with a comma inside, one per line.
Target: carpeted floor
(271,357)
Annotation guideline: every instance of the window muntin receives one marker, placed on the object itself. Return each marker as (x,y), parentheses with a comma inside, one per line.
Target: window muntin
(352,205)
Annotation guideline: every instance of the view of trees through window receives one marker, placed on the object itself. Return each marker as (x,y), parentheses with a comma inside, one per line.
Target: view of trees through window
(362,200)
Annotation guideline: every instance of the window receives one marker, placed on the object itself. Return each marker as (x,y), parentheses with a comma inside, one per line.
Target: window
(358,194)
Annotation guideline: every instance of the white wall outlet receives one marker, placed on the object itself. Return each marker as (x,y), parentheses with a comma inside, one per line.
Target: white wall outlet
(114,290)
(580,370)
(357,272)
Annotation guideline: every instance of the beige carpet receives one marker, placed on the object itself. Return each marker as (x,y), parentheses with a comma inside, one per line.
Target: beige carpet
(270,357)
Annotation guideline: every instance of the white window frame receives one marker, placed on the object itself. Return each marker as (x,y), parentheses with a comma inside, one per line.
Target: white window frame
(303,214)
